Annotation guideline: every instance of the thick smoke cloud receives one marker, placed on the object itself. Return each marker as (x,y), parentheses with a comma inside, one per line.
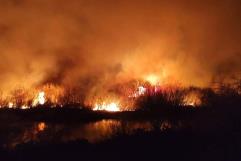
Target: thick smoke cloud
(92,44)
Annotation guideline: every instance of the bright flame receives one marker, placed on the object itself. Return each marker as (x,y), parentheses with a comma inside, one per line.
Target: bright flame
(10,105)
(152,79)
(192,100)
(107,107)
(24,107)
(139,92)
(40,100)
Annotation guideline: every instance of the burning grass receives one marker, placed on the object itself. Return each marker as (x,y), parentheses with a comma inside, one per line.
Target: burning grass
(129,96)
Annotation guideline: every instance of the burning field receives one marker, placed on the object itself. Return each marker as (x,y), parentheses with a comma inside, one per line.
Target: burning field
(120,71)
(86,54)
(82,54)
(123,97)
(129,96)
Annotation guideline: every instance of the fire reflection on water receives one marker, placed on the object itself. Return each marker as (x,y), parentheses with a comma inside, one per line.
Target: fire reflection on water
(41,126)
(93,131)
(26,134)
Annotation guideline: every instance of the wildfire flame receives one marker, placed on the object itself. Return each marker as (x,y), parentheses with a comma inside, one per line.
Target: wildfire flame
(39,100)
(24,107)
(192,100)
(152,79)
(113,107)
(10,104)
(123,98)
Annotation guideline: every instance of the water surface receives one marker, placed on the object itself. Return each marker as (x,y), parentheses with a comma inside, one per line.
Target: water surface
(24,132)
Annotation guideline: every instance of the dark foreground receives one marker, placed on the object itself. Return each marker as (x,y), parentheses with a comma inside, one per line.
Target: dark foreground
(142,146)
(205,135)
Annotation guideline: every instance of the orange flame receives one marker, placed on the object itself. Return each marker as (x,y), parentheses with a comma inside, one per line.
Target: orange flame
(113,107)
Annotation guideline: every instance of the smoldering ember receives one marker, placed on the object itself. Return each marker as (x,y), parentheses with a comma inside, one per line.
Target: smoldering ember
(120,80)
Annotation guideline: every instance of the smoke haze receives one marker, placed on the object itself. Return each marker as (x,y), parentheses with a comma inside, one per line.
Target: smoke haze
(93,44)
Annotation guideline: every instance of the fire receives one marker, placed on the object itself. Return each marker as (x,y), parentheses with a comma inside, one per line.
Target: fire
(192,99)
(53,94)
(113,107)
(24,98)
(122,97)
(152,79)
(24,107)
(10,104)
(141,90)
(40,99)
(41,126)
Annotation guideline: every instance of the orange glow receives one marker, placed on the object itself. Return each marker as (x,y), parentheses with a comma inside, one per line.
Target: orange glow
(145,44)
(53,93)
(40,99)
(192,99)
(10,105)
(31,97)
(41,126)
(141,90)
(152,79)
(112,107)
(23,107)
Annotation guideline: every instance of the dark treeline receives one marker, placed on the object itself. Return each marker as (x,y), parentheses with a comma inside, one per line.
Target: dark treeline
(220,96)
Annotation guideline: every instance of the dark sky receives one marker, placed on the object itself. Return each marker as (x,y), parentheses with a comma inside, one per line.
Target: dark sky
(69,42)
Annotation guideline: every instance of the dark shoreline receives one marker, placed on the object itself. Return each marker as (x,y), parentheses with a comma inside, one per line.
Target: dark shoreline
(212,133)
(83,115)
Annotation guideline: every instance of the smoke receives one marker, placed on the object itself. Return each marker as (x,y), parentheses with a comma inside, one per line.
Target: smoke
(92,44)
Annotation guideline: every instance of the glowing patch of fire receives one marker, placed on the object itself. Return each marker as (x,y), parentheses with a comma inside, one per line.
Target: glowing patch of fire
(10,105)
(192,100)
(140,92)
(40,100)
(107,107)
(41,126)
(24,107)
(152,79)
